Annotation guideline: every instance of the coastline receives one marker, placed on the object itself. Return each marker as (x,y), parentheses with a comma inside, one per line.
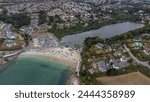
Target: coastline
(71,62)
(9,59)
(62,55)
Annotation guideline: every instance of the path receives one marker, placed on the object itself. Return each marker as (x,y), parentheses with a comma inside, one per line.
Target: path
(136,60)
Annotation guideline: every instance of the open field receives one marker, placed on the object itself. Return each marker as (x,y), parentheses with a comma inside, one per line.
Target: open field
(135,78)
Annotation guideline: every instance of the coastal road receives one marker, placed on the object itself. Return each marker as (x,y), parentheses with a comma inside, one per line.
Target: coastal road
(136,60)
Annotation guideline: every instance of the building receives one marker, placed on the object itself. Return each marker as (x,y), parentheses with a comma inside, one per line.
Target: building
(137,39)
(118,65)
(100,45)
(103,66)
(145,35)
(44,42)
(124,59)
(1,35)
(137,45)
(146,50)
(11,35)
(118,53)
(9,43)
(94,65)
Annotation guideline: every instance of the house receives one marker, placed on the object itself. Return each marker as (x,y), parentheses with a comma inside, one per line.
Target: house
(115,65)
(94,65)
(123,64)
(124,59)
(103,66)
(118,65)
(1,35)
(137,45)
(44,41)
(100,45)
(146,50)
(137,39)
(118,53)
(145,35)
(9,43)
(110,49)
(120,48)
(11,35)
(91,71)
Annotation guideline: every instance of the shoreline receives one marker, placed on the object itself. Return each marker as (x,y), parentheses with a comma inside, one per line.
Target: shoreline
(47,58)
(72,62)
(62,55)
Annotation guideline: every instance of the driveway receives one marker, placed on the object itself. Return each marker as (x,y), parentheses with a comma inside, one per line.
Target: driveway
(136,60)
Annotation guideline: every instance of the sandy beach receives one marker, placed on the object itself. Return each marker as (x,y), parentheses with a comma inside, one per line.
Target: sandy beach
(64,55)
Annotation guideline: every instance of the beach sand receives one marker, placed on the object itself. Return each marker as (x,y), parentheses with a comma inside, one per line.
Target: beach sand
(63,55)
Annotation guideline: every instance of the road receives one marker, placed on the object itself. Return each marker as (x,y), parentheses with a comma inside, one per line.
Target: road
(136,60)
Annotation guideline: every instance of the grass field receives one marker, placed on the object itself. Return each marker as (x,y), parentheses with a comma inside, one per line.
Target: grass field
(135,78)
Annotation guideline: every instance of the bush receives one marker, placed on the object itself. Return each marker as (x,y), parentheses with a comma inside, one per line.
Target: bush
(42,17)
(112,72)
(17,20)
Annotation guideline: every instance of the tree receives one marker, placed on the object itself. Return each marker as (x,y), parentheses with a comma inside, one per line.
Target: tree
(112,72)
(130,60)
(17,20)
(149,62)
(42,17)
(51,20)
(26,39)
(1,41)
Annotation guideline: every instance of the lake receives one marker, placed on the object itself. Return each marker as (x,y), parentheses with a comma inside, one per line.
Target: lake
(103,32)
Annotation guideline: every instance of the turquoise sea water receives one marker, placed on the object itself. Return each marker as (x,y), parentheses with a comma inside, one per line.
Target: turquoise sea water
(33,70)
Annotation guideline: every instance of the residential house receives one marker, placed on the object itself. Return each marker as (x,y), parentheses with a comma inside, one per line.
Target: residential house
(11,35)
(100,45)
(1,35)
(44,41)
(109,49)
(145,35)
(138,45)
(123,64)
(9,43)
(137,42)
(146,50)
(91,71)
(94,65)
(124,59)
(103,66)
(118,53)
(117,64)
(137,39)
